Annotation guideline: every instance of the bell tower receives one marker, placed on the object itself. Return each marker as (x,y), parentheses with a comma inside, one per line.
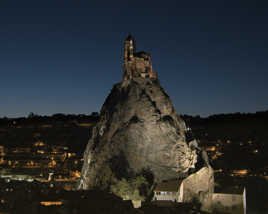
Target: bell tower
(129,48)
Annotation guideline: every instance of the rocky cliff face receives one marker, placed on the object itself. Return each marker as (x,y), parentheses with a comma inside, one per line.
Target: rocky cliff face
(139,130)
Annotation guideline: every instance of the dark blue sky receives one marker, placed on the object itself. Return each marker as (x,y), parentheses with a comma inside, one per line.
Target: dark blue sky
(64,56)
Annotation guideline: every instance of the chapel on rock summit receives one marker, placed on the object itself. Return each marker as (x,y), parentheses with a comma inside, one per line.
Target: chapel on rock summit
(136,64)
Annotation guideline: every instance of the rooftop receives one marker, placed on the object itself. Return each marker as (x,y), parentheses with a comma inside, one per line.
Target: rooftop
(168,186)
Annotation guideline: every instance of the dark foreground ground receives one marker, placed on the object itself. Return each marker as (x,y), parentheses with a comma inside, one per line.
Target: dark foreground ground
(24,197)
(81,202)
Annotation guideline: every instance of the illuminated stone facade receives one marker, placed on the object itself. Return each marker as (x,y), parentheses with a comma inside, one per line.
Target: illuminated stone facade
(136,64)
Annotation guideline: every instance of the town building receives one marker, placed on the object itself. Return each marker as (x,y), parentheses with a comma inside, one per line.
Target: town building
(232,203)
(169,191)
(199,188)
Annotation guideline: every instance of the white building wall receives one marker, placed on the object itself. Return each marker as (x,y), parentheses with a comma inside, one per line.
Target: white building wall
(165,196)
(180,194)
(227,203)
(244,201)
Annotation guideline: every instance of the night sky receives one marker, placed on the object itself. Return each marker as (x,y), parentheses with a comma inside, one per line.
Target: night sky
(64,56)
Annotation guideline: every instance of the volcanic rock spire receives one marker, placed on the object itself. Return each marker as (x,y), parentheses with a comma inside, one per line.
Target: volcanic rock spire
(139,132)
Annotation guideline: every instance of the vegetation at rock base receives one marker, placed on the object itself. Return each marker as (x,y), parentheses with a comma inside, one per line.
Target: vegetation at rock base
(136,188)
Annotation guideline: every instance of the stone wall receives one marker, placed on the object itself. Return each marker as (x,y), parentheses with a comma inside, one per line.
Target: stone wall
(138,67)
(199,187)
(142,66)
(227,203)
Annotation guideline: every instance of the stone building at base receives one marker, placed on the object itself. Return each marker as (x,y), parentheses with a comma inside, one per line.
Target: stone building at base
(169,191)
(234,203)
(196,188)
(199,187)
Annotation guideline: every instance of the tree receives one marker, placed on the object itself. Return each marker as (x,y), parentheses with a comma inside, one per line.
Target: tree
(133,189)
(31,115)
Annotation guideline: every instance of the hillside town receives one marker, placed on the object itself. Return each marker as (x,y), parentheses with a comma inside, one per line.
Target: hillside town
(54,167)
